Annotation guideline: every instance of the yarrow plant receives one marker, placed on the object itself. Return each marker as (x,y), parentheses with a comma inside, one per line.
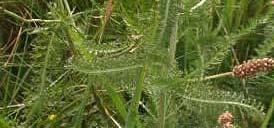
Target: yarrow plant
(132,63)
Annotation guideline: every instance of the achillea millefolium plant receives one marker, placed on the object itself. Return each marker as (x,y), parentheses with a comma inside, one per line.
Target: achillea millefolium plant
(128,63)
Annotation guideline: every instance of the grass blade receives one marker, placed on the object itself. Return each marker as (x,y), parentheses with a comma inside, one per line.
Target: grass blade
(116,100)
(132,118)
(268,115)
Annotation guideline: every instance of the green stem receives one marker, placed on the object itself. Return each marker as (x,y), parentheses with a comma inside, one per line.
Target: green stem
(162,112)
(268,115)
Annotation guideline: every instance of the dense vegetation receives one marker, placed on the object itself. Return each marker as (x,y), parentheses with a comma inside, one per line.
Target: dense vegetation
(136,63)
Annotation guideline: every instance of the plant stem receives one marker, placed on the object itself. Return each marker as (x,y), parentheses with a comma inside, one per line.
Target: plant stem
(218,76)
(13,106)
(213,76)
(268,115)
(162,112)
(197,5)
(14,15)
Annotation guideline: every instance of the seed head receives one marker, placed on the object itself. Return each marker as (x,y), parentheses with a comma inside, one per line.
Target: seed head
(252,67)
(225,120)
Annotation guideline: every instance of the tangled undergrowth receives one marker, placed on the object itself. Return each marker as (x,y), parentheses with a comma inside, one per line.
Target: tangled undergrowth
(136,63)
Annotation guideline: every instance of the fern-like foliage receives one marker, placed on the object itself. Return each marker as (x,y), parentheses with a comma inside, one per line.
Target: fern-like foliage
(142,68)
(122,70)
(266,48)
